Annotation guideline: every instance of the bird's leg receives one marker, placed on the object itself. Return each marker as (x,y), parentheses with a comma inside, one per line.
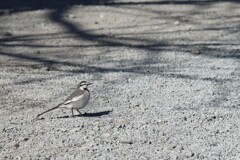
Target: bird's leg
(72,112)
(79,112)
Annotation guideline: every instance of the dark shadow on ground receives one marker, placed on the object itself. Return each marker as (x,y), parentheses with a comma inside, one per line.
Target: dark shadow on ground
(57,16)
(24,5)
(28,5)
(96,114)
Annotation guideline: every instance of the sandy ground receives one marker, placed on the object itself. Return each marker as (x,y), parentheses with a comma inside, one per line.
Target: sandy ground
(166,81)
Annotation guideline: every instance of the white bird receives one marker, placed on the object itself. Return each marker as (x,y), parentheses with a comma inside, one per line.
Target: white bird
(77,100)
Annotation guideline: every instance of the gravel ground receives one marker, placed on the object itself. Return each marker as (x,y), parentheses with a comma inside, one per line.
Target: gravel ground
(166,81)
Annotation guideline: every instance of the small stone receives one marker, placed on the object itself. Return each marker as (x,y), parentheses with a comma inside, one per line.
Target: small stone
(196,50)
(189,28)
(176,22)
(13,145)
(122,123)
(91,132)
(52,158)
(106,135)
(62,129)
(16,145)
(181,148)
(18,158)
(101,15)
(8,34)
(189,153)
(96,128)
(72,16)
(49,68)
(96,123)
(23,139)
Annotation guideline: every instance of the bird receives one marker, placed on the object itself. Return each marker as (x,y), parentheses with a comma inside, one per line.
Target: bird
(77,100)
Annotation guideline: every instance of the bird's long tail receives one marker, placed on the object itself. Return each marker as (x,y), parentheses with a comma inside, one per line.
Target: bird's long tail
(49,110)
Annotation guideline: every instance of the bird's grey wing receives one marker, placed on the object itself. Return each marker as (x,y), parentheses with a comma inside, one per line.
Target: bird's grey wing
(75,96)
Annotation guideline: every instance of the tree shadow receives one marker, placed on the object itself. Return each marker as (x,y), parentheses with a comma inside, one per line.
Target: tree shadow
(154,47)
(150,47)
(26,5)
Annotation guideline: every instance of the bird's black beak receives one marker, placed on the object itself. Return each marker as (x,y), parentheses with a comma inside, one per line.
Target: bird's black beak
(89,84)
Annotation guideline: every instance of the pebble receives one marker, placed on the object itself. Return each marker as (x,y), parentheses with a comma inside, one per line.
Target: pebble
(196,50)
(8,34)
(21,139)
(13,145)
(72,16)
(176,22)
(18,158)
(106,135)
(122,123)
(75,129)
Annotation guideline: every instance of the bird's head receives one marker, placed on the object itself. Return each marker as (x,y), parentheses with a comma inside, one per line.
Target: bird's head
(83,85)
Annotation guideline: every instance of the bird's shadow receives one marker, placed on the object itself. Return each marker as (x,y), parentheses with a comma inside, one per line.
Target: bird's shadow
(96,114)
